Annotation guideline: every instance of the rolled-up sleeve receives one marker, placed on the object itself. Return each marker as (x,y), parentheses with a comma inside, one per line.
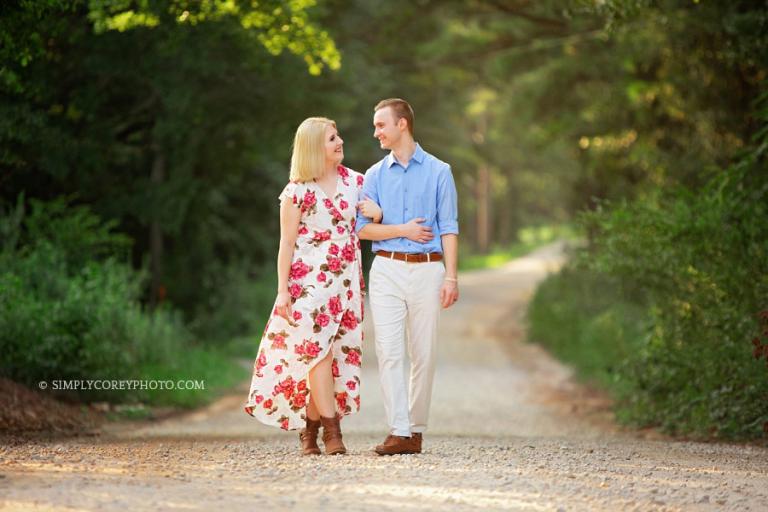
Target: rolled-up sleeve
(447,204)
(369,191)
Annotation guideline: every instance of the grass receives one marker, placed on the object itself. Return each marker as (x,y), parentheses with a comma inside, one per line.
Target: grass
(528,239)
(213,369)
(582,319)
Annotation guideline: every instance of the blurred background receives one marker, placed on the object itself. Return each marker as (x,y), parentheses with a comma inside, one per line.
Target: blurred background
(143,145)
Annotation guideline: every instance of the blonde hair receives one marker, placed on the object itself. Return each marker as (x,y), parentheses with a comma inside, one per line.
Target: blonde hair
(308,158)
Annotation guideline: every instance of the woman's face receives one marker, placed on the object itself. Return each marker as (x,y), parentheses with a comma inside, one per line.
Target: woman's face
(334,146)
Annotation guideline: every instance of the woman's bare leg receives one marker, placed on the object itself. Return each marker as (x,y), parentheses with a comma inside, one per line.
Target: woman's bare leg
(312,412)
(322,401)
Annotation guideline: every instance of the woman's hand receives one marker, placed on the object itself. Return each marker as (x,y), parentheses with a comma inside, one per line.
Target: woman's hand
(283,306)
(370,209)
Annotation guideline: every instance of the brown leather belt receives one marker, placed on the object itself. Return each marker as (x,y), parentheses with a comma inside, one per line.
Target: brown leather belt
(411,257)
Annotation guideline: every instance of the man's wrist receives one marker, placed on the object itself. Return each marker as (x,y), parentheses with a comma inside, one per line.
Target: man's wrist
(451,278)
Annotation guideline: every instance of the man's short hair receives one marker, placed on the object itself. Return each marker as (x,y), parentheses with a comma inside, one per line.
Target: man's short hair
(400,108)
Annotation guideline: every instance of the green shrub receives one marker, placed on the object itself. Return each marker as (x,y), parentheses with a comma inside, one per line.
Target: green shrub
(697,263)
(70,309)
(238,303)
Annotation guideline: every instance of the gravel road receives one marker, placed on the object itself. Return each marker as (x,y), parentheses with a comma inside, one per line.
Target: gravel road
(510,430)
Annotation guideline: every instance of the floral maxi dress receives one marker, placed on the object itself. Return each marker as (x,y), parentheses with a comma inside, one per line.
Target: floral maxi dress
(325,282)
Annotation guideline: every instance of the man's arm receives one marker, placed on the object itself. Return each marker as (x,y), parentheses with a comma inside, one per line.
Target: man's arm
(449,292)
(412,230)
(448,224)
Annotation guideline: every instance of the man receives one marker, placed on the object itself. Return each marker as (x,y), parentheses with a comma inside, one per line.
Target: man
(414,271)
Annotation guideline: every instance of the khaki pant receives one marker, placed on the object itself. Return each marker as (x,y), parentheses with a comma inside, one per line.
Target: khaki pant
(405,304)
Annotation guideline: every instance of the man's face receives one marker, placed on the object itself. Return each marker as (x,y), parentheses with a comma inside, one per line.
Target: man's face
(385,128)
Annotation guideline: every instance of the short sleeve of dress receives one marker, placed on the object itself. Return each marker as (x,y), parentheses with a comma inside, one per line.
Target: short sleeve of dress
(291,192)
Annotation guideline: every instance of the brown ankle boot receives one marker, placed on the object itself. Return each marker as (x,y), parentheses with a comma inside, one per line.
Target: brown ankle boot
(332,436)
(308,437)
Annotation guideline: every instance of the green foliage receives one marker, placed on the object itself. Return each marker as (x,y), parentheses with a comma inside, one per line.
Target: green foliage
(590,321)
(698,267)
(237,303)
(69,309)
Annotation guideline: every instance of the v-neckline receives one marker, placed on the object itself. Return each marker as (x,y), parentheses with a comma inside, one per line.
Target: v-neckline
(335,189)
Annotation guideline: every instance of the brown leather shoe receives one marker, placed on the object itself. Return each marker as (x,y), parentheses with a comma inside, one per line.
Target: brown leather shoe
(398,445)
(417,437)
(308,437)
(332,436)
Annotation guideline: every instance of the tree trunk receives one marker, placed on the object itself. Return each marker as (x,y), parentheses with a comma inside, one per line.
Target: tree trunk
(157,290)
(483,208)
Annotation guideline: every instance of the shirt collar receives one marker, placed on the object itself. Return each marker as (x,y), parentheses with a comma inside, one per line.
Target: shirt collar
(418,156)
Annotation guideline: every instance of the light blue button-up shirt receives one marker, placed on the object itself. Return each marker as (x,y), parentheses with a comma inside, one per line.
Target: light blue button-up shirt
(423,188)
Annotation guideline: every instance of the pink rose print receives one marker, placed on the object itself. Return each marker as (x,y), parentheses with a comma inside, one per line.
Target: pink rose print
(301,386)
(321,277)
(328,203)
(357,402)
(350,294)
(299,400)
(335,368)
(359,181)
(278,340)
(322,319)
(341,400)
(321,236)
(349,320)
(285,387)
(295,290)
(343,204)
(348,253)
(334,265)
(303,229)
(307,351)
(309,201)
(284,423)
(278,369)
(299,269)
(268,404)
(258,399)
(261,362)
(297,314)
(353,358)
(340,229)
(334,305)
(333,249)
(351,385)
(343,172)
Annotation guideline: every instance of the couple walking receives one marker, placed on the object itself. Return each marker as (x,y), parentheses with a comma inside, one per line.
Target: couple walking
(307,373)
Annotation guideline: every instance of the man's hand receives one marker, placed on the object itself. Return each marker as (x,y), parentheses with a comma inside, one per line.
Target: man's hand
(413,230)
(449,293)
(370,209)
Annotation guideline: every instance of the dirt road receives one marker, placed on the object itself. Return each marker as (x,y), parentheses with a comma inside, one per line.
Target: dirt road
(509,431)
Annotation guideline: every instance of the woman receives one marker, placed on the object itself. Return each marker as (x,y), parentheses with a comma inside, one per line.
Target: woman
(308,368)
